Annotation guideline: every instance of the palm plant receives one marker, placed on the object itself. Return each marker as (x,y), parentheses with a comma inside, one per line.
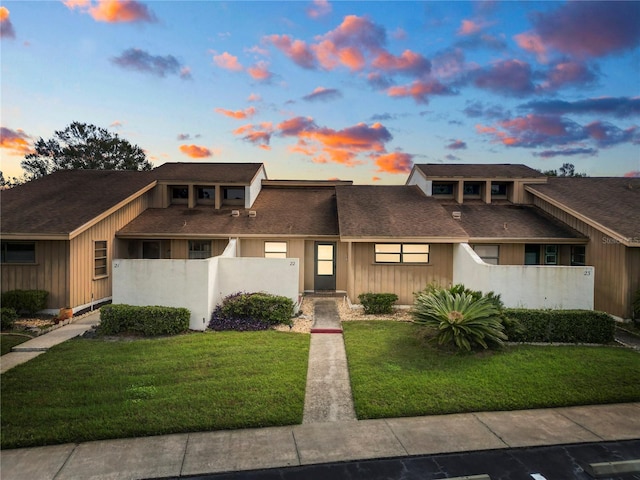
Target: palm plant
(460,318)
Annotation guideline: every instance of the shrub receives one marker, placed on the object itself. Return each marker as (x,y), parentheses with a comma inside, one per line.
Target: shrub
(28,301)
(251,311)
(148,321)
(8,316)
(377,303)
(636,305)
(562,326)
(460,319)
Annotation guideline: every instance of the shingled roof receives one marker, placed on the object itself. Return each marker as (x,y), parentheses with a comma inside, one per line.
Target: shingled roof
(478,170)
(609,202)
(517,222)
(64,201)
(279,211)
(235,173)
(367,211)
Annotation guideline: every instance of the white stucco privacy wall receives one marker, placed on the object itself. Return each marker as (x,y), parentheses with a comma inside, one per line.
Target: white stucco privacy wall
(200,285)
(526,286)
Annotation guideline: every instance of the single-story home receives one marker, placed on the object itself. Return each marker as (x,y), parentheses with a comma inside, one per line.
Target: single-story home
(506,228)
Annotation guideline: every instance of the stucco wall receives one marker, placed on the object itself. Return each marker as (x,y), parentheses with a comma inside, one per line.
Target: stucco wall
(526,286)
(200,285)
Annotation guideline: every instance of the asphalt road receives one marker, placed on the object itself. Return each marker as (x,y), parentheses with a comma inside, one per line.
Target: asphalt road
(565,462)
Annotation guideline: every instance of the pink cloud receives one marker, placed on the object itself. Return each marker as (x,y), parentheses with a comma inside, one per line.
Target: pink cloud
(469,27)
(259,135)
(531,42)
(294,126)
(254,97)
(195,151)
(420,90)
(509,77)
(296,50)
(408,61)
(260,71)
(319,8)
(632,174)
(395,162)
(457,145)
(114,11)
(590,29)
(237,114)
(322,94)
(17,142)
(228,62)
(567,73)
(6,27)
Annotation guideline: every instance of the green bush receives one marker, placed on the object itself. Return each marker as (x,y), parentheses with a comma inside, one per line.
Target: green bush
(460,319)
(148,321)
(561,326)
(377,303)
(256,307)
(28,301)
(8,316)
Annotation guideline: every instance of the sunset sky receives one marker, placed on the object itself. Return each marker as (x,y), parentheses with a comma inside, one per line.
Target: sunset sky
(320,89)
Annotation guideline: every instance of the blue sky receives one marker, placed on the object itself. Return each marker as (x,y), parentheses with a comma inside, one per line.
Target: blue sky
(320,89)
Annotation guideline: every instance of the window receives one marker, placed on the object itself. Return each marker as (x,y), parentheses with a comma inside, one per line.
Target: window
(442,189)
(471,189)
(401,253)
(206,194)
(532,254)
(275,249)
(18,252)
(179,194)
(233,195)
(199,249)
(499,190)
(578,255)
(550,254)
(100,258)
(488,253)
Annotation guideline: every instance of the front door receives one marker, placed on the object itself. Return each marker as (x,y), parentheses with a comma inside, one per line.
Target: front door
(325,266)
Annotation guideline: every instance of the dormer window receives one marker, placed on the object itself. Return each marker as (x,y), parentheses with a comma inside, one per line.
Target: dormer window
(442,189)
(498,190)
(233,196)
(206,195)
(180,194)
(472,189)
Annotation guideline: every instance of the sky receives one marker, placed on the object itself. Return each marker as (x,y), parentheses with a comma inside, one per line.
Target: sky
(323,90)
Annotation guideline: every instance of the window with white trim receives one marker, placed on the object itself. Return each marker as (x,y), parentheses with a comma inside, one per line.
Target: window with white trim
(578,255)
(275,249)
(401,253)
(100,258)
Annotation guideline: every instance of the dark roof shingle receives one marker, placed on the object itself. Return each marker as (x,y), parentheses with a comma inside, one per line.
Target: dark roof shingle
(279,211)
(392,211)
(478,170)
(510,221)
(613,202)
(63,201)
(240,173)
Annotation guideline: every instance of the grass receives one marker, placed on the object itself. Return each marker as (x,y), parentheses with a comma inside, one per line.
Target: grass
(394,373)
(8,341)
(86,389)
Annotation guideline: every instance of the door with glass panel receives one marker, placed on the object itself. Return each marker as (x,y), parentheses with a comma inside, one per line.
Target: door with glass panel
(325,266)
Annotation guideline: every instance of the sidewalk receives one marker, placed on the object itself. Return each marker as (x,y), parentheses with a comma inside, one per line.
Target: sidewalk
(37,346)
(329,433)
(238,450)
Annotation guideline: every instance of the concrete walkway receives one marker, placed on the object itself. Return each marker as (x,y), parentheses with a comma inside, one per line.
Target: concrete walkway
(38,345)
(328,395)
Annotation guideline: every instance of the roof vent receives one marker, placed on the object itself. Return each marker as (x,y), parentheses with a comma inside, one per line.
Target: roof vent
(252,213)
(235,213)
(456,215)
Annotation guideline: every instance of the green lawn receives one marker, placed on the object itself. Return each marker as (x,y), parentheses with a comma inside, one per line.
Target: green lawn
(93,389)
(8,341)
(395,374)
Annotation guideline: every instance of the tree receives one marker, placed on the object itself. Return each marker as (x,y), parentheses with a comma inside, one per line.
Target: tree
(10,182)
(83,146)
(566,170)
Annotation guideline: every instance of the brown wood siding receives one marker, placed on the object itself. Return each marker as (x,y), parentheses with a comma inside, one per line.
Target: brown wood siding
(633,263)
(50,273)
(84,288)
(511,254)
(403,280)
(180,248)
(295,249)
(613,270)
